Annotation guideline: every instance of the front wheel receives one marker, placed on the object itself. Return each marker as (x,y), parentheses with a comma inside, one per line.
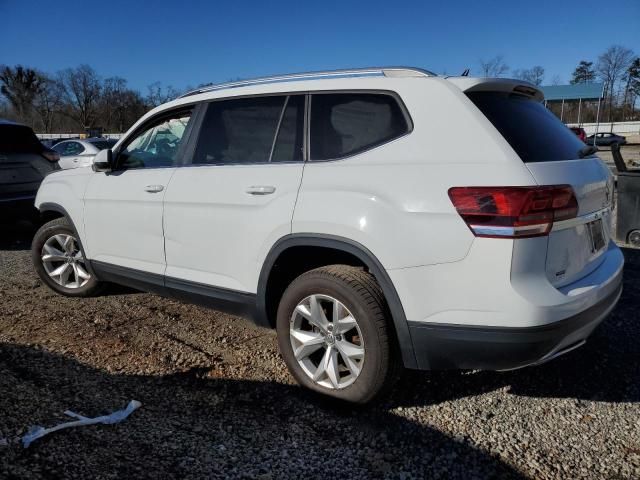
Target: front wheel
(59,260)
(334,334)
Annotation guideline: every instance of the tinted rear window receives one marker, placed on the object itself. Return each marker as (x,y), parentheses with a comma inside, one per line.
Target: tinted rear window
(18,139)
(535,133)
(344,124)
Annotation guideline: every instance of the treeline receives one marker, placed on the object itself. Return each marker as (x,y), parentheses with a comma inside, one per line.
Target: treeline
(618,68)
(74,100)
(77,99)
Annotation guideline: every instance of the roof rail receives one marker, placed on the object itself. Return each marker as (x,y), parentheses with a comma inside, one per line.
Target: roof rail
(354,72)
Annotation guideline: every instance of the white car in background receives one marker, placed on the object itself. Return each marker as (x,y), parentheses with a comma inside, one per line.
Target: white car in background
(79,153)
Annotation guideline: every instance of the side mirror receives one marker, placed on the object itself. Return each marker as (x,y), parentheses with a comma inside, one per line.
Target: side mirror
(103,161)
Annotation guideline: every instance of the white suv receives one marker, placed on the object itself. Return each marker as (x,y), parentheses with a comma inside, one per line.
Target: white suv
(376,218)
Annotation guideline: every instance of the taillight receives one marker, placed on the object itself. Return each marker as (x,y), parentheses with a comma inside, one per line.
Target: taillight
(514,212)
(51,155)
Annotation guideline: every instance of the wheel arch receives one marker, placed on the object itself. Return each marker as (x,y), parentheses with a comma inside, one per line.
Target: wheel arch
(50,211)
(349,248)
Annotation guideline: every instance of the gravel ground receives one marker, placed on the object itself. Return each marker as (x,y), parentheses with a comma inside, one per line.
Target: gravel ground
(219,403)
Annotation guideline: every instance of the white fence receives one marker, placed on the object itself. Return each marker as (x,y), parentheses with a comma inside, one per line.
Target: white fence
(621,128)
(49,136)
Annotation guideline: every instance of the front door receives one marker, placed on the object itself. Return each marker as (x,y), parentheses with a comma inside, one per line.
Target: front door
(124,208)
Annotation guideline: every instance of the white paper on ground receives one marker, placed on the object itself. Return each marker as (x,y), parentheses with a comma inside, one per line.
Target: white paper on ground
(116,417)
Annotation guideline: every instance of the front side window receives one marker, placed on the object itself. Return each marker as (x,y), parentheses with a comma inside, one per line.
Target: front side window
(241,131)
(157,145)
(344,124)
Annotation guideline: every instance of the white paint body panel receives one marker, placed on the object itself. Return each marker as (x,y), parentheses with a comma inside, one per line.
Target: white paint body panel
(123,222)
(216,231)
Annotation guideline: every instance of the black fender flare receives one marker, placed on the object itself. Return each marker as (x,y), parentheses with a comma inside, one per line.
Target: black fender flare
(366,257)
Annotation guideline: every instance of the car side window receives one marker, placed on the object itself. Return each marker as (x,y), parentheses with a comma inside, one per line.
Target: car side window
(68,149)
(239,131)
(344,124)
(157,144)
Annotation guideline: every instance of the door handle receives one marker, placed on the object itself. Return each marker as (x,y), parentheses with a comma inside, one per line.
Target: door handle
(260,190)
(154,188)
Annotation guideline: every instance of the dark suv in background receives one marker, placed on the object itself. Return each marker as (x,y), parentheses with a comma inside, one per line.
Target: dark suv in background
(24,162)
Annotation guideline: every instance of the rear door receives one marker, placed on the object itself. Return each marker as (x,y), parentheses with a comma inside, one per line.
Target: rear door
(237,197)
(553,155)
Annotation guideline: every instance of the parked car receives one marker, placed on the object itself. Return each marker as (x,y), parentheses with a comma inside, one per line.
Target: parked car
(391,250)
(79,153)
(606,139)
(579,131)
(24,162)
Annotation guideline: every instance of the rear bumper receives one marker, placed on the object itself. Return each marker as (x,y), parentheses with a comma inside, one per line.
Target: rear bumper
(441,346)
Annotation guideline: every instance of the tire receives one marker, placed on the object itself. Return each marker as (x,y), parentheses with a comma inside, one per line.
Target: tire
(57,239)
(352,293)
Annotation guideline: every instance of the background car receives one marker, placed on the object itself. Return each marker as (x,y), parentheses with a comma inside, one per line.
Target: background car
(79,153)
(606,139)
(579,131)
(24,162)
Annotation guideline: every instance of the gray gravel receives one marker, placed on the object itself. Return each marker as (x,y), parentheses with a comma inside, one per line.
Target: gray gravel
(219,403)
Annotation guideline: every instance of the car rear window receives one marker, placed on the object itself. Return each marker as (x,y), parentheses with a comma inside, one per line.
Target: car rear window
(18,139)
(535,133)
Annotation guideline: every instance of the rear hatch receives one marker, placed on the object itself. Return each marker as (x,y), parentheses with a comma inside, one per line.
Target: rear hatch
(554,156)
(22,166)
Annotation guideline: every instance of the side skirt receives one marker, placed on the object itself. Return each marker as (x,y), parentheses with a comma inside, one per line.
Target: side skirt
(229,301)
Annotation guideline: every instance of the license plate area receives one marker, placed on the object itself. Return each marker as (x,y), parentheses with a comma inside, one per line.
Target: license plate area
(596,235)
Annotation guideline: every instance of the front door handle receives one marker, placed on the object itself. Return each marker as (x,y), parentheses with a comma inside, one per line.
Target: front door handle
(260,190)
(154,188)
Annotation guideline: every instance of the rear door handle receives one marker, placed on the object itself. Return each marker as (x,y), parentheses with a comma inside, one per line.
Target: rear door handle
(260,190)
(154,188)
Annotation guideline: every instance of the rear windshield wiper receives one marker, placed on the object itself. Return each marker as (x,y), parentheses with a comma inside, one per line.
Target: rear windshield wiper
(587,150)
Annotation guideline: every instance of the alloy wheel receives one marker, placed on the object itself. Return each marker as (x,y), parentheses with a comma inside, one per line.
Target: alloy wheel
(327,342)
(63,261)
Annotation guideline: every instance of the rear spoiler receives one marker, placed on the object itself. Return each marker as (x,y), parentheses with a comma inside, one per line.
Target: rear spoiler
(511,85)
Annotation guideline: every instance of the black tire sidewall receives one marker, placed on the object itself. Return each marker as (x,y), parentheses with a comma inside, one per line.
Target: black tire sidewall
(42,235)
(366,385)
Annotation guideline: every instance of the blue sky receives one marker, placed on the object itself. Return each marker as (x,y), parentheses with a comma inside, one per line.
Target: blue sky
(186,42)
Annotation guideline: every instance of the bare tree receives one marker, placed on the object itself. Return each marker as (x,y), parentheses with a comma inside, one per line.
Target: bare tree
(48,102)
(533,75)
(611,67)
(556,80)
(81,87)
(20,86)
(157,95)
(494,67)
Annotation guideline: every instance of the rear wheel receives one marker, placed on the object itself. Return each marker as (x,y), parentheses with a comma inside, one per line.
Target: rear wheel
(334,335)
(59,260)
(634,238)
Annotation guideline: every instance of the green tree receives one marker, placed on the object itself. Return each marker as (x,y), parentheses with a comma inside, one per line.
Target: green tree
(584,73)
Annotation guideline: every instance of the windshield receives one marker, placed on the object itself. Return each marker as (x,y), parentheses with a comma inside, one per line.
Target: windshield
(535,133)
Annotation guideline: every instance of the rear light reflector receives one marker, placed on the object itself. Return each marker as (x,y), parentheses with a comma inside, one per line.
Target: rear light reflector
(51,155)
(514,212)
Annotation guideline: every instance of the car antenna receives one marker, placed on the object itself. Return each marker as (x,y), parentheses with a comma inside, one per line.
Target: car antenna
(465,73)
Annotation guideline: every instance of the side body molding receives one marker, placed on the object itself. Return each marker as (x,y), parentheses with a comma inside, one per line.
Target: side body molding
(366,257)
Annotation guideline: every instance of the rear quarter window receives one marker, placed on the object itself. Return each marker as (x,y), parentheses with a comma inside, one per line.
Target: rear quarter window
(344,124)
(535,133)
